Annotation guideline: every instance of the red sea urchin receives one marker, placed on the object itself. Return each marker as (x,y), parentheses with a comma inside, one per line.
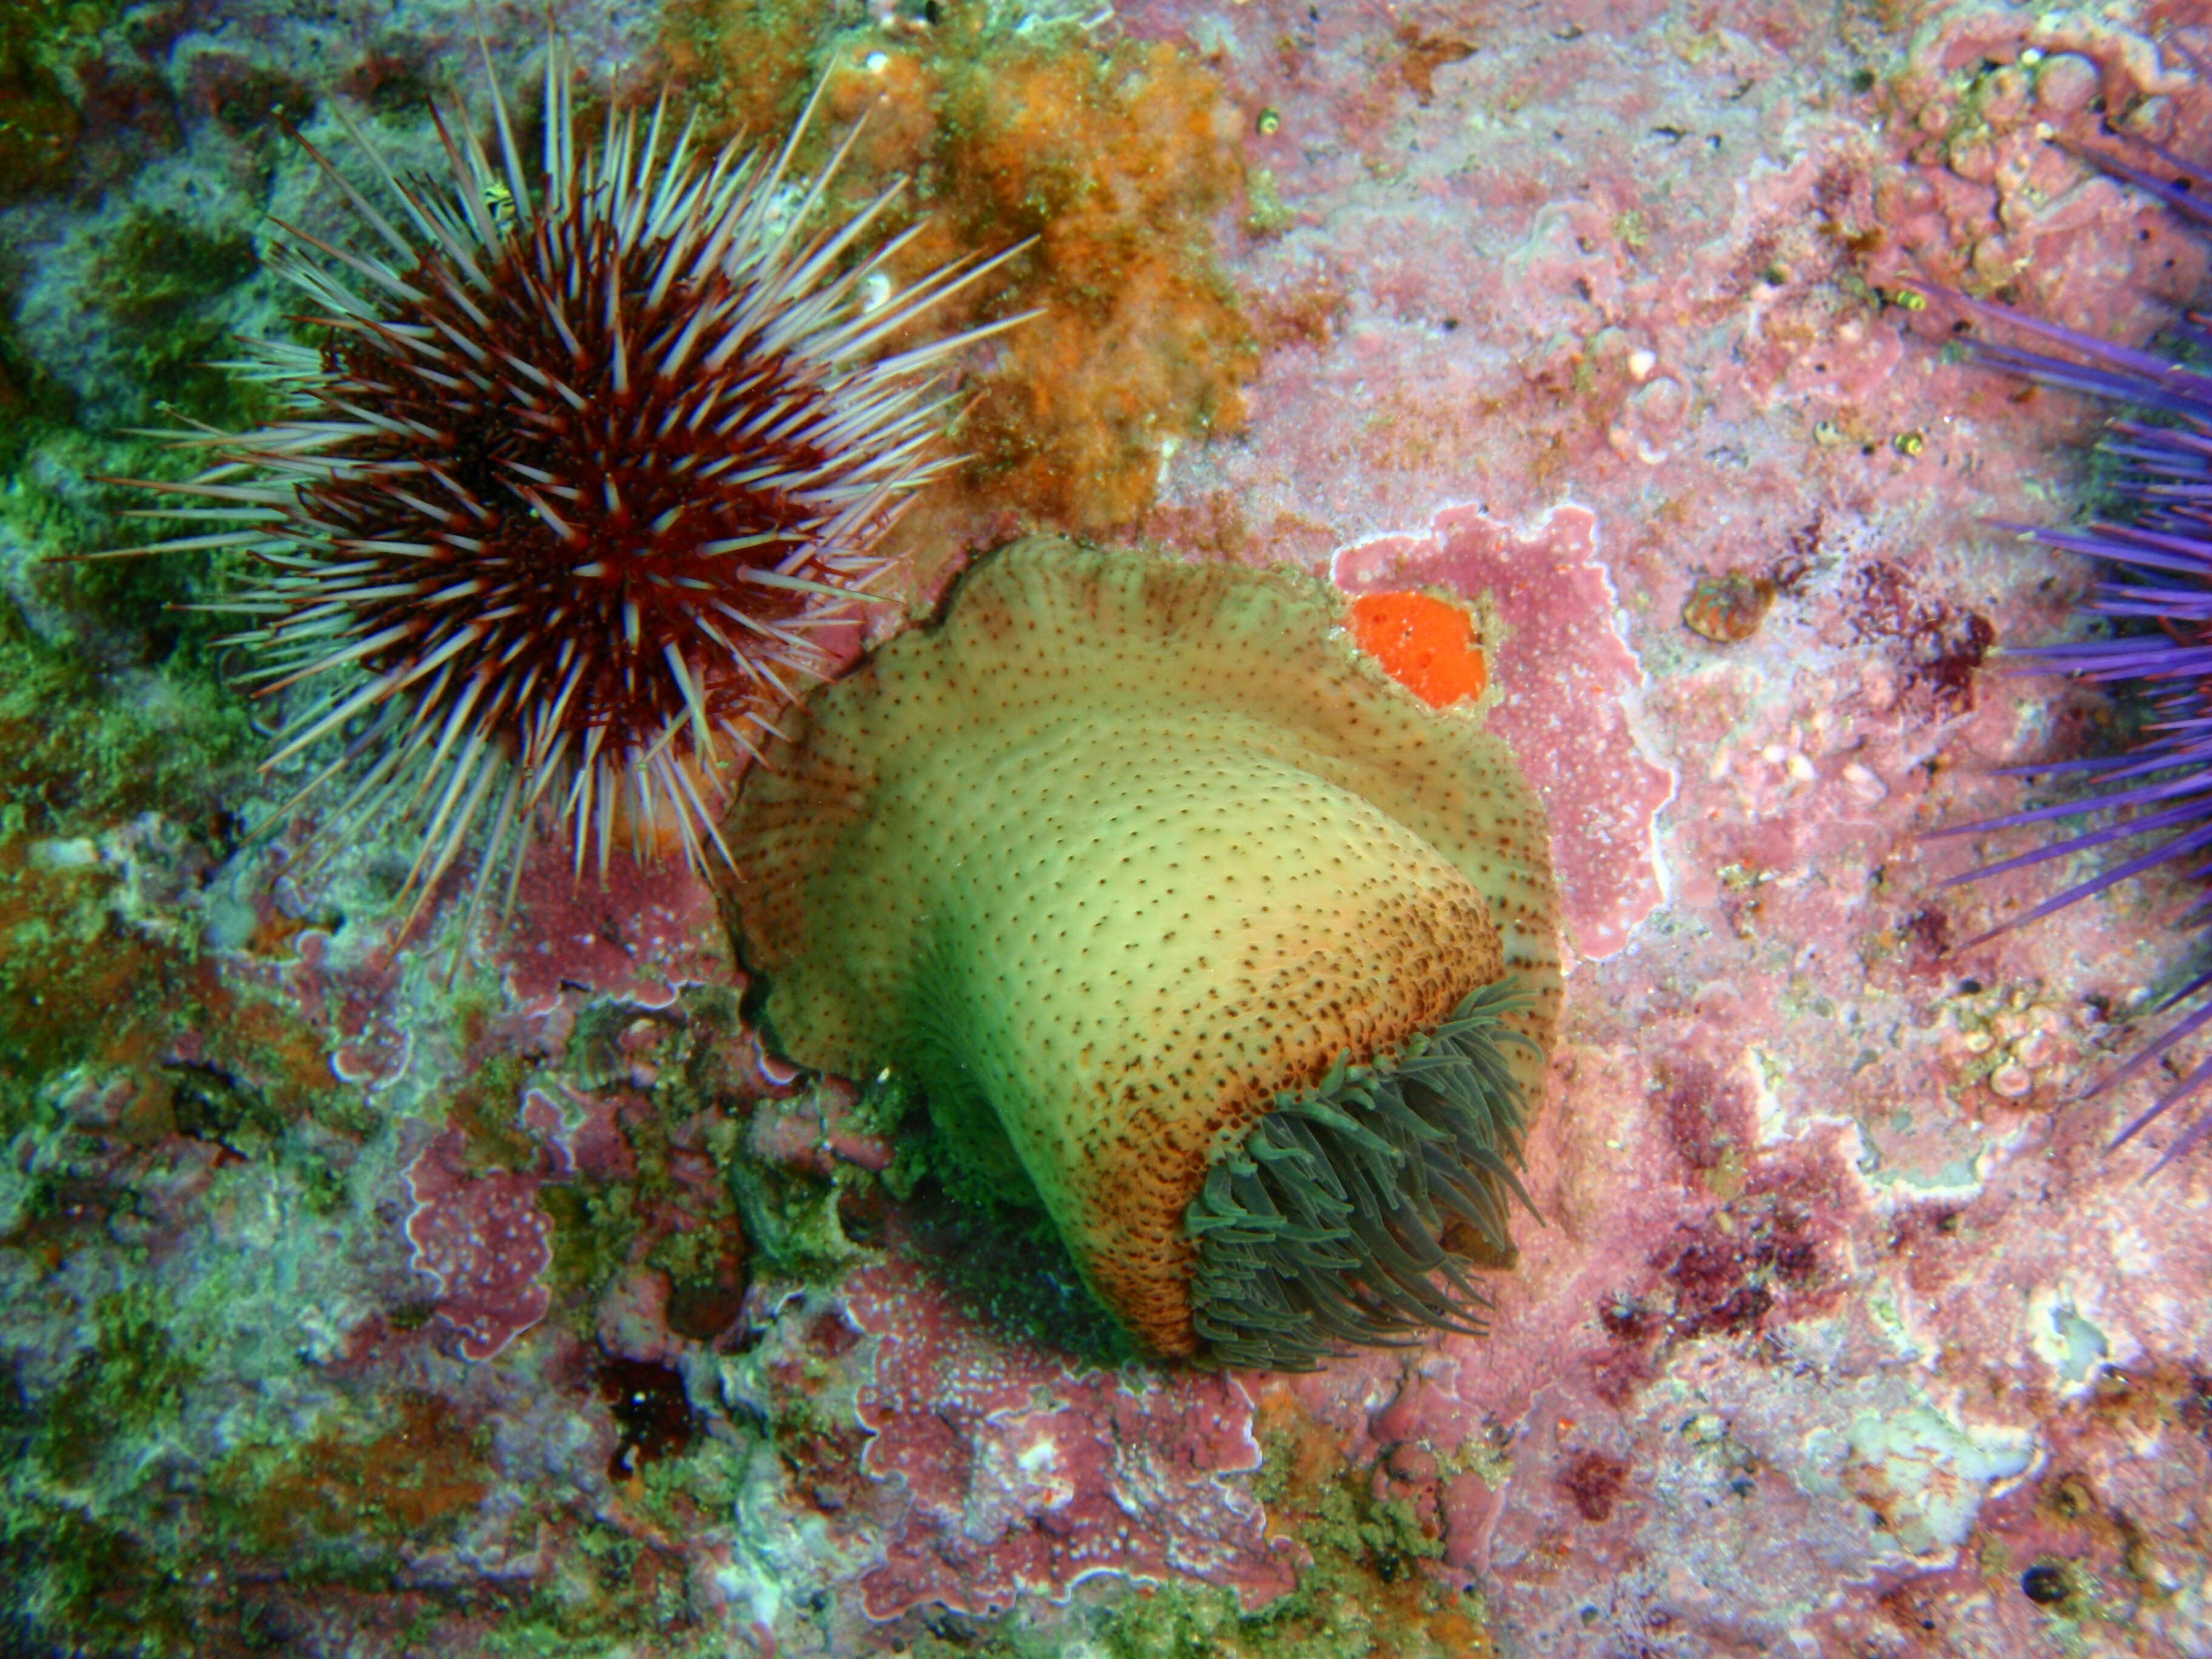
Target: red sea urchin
(575,478)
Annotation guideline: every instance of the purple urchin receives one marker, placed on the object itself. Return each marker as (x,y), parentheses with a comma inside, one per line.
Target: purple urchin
(2155,591)
(577,474)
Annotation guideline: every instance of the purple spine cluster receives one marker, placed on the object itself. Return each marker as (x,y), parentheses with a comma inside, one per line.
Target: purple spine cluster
(2154,594)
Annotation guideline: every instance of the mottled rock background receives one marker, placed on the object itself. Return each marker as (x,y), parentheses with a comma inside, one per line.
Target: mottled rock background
(353,1308)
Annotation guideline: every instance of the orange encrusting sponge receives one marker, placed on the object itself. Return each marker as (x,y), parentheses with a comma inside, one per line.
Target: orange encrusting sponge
(1428,645)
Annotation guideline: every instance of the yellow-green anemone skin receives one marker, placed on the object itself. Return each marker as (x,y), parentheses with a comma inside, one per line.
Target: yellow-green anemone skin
(1114,853)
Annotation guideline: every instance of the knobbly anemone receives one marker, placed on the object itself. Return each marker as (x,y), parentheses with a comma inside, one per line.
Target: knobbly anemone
(1194,929)
(582,463)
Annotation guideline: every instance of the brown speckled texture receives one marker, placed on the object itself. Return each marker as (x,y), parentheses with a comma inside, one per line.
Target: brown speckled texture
(1115,854)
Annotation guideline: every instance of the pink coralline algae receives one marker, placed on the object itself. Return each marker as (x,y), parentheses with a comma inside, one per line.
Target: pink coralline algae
(347,992)
(482,1240)
(1995,111)
(815,1132)
(580,1132)
(1564,672)
(1026,1477)
(649,930)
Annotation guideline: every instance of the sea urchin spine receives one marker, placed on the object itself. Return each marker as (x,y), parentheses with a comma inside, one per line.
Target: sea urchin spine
(2156,591)
(576,479)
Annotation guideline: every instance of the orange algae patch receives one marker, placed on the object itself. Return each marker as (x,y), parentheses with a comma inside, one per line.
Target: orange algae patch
(1427,645)
(1380,1562)
(1115,164)
(1114,161)
(419,1479)
(1572,677)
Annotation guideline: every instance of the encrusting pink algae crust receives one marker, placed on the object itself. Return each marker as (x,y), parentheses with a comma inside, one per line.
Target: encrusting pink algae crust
(1842,1334)
(481,1240)
(1570,682)
(1025,1475)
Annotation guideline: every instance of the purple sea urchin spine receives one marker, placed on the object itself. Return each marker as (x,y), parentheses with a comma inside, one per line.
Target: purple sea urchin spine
(578,477)
(2158,572)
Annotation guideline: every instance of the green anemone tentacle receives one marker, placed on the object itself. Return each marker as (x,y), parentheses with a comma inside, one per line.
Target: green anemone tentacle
(1329,1224)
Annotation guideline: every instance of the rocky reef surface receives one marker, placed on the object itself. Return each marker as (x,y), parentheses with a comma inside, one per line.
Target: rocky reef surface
(364,1294)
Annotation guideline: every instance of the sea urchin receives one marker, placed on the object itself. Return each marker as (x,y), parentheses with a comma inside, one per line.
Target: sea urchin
(2155,594)
(578,473)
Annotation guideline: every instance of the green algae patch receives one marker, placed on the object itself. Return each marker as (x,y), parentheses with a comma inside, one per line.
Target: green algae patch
(594,1228)
(74,1564)
(1374,1583)
(73,986)
(39,119)
(80,750)
(98,974)
(613,1594)
(161,279)
(620,1585)
(1342,1620)
(33,403)
(795,1219)
(485,1107)
(132,1380)
(158,269)
(111,701)
(109,1591)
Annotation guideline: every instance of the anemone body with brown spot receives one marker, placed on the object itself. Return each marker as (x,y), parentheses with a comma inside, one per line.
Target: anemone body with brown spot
(1115,854)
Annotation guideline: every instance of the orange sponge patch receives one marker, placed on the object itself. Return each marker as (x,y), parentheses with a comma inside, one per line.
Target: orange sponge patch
(1427,645)
(1111,163)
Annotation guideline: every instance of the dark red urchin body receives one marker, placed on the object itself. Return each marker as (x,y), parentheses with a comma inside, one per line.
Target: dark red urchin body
(577,479)
(2155,586)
